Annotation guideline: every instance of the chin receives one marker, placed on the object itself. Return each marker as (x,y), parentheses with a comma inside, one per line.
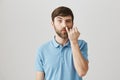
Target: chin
(64,37)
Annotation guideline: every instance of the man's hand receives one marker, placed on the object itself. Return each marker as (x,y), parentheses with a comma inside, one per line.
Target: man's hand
(73,34)
(80,64)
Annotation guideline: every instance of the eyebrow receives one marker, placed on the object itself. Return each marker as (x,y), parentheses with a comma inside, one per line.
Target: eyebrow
(61,18)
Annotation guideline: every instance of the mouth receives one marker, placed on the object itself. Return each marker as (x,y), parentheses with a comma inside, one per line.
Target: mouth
(63,30)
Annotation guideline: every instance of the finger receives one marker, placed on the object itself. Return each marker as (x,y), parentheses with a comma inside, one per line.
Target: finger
(76,30)
(67,30)
(70,30)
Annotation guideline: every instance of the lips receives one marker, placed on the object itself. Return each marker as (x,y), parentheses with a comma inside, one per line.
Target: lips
(64,30)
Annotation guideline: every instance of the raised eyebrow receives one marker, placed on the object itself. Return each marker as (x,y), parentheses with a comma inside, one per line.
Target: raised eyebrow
(62,18)
(59,17)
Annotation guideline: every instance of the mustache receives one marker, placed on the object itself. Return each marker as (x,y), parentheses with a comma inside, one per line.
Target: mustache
(64,29)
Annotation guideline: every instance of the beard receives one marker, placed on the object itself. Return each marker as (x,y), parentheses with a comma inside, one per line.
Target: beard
(61,33)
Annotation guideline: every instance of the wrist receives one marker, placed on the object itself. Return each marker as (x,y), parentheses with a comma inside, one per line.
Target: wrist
(74,42)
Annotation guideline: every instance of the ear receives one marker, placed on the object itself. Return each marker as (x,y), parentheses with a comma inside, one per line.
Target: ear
(52,23)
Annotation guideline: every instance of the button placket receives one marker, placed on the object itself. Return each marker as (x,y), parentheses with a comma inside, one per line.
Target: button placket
(62,55)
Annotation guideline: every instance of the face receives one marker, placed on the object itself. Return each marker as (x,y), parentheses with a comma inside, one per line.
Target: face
(60,23)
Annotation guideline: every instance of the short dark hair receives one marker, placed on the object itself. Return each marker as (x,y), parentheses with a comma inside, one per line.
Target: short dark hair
(62,11)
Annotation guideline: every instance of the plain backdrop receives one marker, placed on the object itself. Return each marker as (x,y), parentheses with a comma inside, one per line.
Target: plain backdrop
(26,24)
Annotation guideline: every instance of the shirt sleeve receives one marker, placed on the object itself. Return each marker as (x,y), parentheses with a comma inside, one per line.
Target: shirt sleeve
(84,49)
(39,61)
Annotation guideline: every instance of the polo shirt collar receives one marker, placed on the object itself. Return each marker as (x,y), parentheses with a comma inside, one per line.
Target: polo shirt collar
(57,44)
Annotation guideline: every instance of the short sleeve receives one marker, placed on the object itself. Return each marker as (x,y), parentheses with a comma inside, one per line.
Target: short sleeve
(38,61)
(84,49)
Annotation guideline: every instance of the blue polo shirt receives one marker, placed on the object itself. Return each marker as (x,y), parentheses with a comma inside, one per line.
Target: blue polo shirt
(56,61)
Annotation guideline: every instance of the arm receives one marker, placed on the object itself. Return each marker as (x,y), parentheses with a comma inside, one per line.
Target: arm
(80,64)
(39,75)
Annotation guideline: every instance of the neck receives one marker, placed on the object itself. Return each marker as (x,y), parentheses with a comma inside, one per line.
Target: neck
(61,40)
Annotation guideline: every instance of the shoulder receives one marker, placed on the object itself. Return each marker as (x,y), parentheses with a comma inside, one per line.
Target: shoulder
(82,43)
(45,45)
(42,48)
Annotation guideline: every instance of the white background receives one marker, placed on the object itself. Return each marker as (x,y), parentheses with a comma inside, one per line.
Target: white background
(26,24)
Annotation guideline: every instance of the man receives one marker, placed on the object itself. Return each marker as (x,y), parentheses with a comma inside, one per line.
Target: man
(64,57)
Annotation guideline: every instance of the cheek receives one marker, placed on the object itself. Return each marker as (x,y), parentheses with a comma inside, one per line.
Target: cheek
(70,25)
(55,24)
(58,25)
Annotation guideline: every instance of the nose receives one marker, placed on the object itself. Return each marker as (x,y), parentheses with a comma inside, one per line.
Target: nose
(64,24)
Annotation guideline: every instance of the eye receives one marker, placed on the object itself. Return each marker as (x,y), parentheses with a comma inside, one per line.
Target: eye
(59,21)
(68,21)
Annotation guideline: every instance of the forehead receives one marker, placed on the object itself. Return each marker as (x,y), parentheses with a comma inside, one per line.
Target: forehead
(64,18)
